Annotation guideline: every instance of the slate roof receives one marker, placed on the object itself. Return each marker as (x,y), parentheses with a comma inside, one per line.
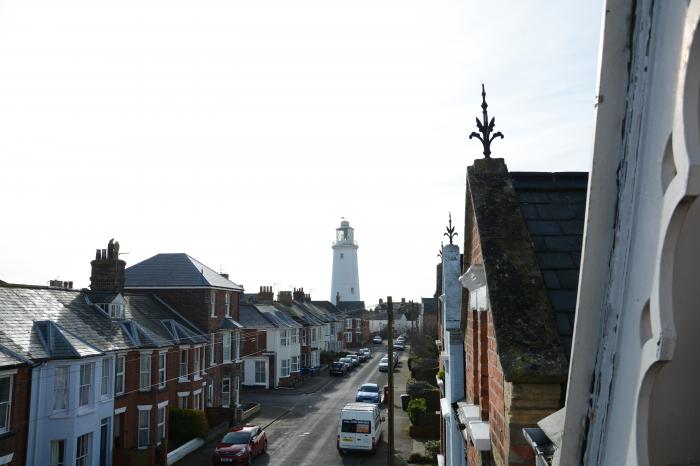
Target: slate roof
(326,306)
(277,317)
(40,323)
(554,208)
(9,359)
(175,271)
(344,306)
(250,317)
(299,314)
(384,315)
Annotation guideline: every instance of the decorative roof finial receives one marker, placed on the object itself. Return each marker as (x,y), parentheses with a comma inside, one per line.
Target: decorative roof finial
(439,254)
(450,230)
(485,127)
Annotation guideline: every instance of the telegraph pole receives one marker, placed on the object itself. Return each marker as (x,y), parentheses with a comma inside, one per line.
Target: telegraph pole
(390,401)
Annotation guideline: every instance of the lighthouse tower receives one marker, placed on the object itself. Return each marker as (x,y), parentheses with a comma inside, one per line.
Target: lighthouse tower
(346,281)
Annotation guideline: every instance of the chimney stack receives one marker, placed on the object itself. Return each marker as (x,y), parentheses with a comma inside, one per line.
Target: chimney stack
(337,298)
(225,275)
(265,296)
(108,269)
(285,297)
(299,295)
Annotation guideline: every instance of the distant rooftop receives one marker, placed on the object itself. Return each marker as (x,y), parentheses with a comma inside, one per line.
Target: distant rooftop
(177,270)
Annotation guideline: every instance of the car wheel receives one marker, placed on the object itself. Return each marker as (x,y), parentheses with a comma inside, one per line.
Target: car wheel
(264,450)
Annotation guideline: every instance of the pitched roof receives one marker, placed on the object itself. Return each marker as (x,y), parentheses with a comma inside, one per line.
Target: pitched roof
(554,208)
(41,323)
(529,345)
(326,306)
(176,270)
(344,306)
(250,317)
(277,317)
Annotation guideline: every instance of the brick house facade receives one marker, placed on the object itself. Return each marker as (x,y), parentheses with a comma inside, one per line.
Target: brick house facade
(15,381)
(522,241)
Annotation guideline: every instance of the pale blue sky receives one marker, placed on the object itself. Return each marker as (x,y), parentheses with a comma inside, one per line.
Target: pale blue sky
(240,132)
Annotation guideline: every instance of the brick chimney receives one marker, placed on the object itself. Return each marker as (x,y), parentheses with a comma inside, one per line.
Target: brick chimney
(107,269)
(285,297)
(299,295)
(266,296)
(225,275)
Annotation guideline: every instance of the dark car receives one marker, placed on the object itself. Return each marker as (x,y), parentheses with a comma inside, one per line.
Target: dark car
(240,445)
(338,368)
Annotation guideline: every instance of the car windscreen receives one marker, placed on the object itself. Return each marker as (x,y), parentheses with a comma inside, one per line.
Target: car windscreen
(345,360)
(236,437)
(369,388)
(384,360)
(353,426)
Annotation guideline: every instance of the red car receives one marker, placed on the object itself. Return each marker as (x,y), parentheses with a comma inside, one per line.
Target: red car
(240,445)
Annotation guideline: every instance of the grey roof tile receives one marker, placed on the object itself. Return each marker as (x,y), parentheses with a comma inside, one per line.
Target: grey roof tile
(175,270)
(554,206)
(250,317)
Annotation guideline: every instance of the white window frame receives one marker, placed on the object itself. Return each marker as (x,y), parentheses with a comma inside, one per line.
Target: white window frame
(160,422)
(210,393)
(57,455)
(295,333)
(182,398)
(236,341)
(314,335)
(61,391)
(116,311)
(85,386)
(184,377)
(228,304)
(295,364)
(212,349)
(144,372)
(82,455)
(284,368)
(284,337)
(264,371)
(197,399)
(226,345)
(141,428)
(120,377)
(162,369)
(106,379)
(348,323)
(5,423)
(212,302)
(348,337)
(197,363)
(225,392)
(303,336)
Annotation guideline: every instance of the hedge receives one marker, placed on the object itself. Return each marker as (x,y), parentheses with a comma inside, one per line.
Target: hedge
(416,408)
(187,424)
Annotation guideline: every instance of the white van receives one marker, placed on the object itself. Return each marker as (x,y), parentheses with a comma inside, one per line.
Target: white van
(359,427)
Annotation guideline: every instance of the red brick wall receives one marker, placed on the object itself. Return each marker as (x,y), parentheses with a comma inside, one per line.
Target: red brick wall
(15,441)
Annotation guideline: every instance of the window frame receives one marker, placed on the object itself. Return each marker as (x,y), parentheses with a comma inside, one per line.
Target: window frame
(65,389)
(225,394)
(210,393)
(8,404)
(162,369)
(212,303)
(284,368)
(226,345)
(228,304)
(197,372)
(117,389)
(284,337)
(85,388)
(212,349)
(160,423)
(82,458)
(60,451)
(143,410)
(295,364)
(106,379)
(145,375)
(184,364)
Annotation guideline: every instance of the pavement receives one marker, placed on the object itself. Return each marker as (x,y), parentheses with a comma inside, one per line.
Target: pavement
(301,423)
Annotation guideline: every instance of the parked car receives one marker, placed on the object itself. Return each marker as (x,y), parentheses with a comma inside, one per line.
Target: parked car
(367,353)
(377,340)
(368,392)
(240,445)
(399,346)
(338,368)
(359,427)
(355,359)
(348,362)
(384,364)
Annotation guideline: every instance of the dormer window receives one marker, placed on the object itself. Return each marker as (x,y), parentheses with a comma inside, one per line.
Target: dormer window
(116,311)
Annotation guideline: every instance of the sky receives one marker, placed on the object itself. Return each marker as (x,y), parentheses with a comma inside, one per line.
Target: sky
(240,132)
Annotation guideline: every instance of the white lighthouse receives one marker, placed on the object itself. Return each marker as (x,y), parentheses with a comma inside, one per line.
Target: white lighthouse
(346,281)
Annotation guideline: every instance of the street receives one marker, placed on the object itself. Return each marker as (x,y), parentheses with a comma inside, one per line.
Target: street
(305,428)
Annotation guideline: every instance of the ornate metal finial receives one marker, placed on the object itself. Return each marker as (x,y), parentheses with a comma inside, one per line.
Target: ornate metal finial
(450,230)
(439,254)
(485,127)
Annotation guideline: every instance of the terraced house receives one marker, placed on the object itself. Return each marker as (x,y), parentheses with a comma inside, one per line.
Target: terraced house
(211,302)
